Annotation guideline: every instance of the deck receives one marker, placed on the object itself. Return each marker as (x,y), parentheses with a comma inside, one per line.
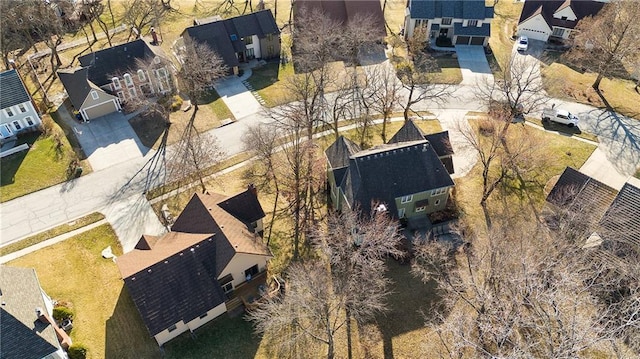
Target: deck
(249,293)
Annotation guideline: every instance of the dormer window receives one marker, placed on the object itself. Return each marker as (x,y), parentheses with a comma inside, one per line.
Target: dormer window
(94,95)
(156,60)
(128,80)
(563,18)
(116,83)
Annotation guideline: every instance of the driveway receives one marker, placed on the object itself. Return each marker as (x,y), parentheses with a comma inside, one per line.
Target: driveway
(237,97)
(108,140)
(473,64)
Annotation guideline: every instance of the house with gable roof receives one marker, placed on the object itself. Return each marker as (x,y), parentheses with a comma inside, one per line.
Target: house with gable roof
(405,175)
(108,78)
(465,22)
(27,328)
(238,39)
(198,270)
(546,20)
(17,113)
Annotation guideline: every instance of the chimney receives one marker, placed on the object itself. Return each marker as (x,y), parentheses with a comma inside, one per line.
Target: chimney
(42,316)
(252,188)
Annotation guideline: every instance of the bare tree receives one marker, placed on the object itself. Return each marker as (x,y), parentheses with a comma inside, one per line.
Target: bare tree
(417,79)
(384,89)
(142,14)
(604,42)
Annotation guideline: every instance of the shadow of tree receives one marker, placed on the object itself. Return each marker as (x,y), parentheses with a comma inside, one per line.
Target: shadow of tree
(11,163)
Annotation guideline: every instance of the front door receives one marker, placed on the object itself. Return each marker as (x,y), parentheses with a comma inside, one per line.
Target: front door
(241,56)
(400,212)
(444,32)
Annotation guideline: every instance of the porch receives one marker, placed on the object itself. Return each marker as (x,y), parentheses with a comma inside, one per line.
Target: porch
(249,293)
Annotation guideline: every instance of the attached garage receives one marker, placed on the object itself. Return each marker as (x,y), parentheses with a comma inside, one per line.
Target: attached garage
(462,40)
(99,110)
(477,40)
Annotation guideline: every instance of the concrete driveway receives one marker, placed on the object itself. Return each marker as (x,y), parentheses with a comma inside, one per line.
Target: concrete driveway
(473,64)
(108,140)
(237,97)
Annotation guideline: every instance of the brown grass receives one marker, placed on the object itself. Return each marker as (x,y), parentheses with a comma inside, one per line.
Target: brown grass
(506,15)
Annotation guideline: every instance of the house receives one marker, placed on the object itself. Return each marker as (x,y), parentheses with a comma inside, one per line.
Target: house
(27,330)
(108,78)
(464,22)
(406,177)
(546,20)
(440,142)
(17,113)
(238,39)
(198,270)
(344,11)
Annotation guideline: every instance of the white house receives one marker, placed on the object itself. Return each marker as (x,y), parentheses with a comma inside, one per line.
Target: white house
(17,113)
(546,20)
(464,22)
(209,262)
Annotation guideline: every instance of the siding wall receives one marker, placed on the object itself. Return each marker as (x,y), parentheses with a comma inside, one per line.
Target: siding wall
(242,262)
(21,117)
(410,207)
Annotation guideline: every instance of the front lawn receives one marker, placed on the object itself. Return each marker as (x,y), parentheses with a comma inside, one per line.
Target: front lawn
(503,26)
(448,71)
(45,164)
(106,320)
(270,82)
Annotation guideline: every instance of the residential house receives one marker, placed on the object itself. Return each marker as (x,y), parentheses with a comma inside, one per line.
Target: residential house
(108,78)
(27,330)
(198,270)
(238,39)
(407,178)
(464,22)
(344,11)
(546,20)
(17,113)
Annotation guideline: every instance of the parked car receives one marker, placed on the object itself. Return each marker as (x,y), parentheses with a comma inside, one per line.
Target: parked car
(523,44)
(560,116)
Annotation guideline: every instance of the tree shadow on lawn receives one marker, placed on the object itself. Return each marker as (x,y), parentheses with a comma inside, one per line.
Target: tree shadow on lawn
(11,164)
(265,76)
(149,127)
(410,299)
(561,128)
(126,334)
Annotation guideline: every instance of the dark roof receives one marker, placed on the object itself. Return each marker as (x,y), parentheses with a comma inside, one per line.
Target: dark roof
(391,171)
(345,10)
(408,132)
(182,286)
(622,220)
(22,336)
(460,9)
(441,143)
(76,84)
(581,8)
(245,206)
(103,64)
(339,152)
(484,30)
(12,91)
(225,37)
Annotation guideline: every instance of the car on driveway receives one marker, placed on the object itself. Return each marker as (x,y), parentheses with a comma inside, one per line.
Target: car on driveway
(523,44)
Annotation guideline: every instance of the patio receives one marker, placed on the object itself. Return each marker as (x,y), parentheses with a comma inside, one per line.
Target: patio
(251,292)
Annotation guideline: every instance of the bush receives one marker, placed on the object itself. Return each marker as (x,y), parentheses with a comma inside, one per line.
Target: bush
(62,313)
(176,103)
(443,41)
(77,351)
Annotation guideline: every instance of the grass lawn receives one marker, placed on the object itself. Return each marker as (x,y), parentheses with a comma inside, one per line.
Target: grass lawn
(53,232)
(449,71)
(105,320)
(45,164)
(503,25)
(270,82)
(563,82)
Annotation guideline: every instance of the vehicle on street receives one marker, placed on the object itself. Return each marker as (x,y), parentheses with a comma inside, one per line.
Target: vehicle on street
(560,116)
(523,44)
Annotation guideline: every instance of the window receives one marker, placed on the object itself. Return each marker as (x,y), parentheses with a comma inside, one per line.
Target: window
(558,31)
(120,95)
(5,131)
(233,37)
(563,18)
(22,108)
(8,111)
(228,288)
(172,328)
(439,191)
(269,37)
(421,22)
(420,209)
(94,95)
(116,83)
(203,315)
(437,202)
(251,272)
(128,80)
(156,60)
(248,40)
(29,121)
(17,125)
(446,21)
(400,212)
(406,199)
(472,23)
(141,76)
(250,54)
(132,92)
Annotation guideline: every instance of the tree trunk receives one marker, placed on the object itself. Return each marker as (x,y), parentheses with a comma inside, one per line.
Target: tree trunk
(349,345)
(408,106)
(596,84)
(273,214)
(385,118)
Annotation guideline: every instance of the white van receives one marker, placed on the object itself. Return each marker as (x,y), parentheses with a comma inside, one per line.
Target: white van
(560,116)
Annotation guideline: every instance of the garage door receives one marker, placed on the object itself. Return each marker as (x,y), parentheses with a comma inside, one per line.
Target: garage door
(101,110)
(477,40)
(533,34)
(462,40)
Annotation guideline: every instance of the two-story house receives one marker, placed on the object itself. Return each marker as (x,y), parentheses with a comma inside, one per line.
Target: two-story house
(17,113)
(406,177)
(464,22)
(238,39)
(110,77)
(202,268)
(546,20)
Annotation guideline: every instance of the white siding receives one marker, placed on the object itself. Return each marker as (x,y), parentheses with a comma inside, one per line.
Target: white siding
(242,262)
(167,335)
(211,314)
(565,12)
(17,115)
(535,28)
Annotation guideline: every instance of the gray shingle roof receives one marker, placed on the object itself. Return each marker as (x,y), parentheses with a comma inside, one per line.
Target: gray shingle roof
(441,143)
(339,152)
(12,91)
(622,220)
(547,8)
(244,206)
(22,336)
(408,132)
(460,9)
(484,30)
(390,171)
(118,59)
(76,84)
